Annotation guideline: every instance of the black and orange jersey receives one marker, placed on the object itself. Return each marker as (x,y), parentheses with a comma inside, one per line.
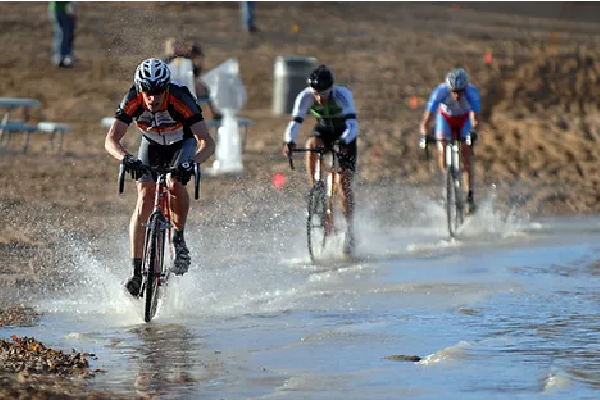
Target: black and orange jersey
(167,126)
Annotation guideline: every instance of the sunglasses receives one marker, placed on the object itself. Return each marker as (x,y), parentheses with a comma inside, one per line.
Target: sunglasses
(325,92)
(155,92)
(459,92)
(151,90)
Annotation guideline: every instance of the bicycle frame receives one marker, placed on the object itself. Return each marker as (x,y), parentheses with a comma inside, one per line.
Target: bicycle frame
(158,224)
(332,169)
(454,172)
(162,205)
(453,154)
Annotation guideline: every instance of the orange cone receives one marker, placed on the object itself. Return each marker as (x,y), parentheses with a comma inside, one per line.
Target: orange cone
(414,102)
(487,58)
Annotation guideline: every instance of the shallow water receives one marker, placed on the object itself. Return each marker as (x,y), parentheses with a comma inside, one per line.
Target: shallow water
(508,310)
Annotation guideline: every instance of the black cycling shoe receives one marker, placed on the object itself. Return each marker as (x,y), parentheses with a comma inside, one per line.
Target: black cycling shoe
(134,284)
(472,207)
(182,260)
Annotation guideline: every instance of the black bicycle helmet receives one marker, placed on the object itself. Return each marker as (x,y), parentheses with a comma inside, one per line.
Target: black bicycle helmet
(321,78)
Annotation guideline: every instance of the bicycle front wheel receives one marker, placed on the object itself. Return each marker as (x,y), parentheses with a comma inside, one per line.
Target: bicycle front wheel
(316,220)
(451,210)
(153,264)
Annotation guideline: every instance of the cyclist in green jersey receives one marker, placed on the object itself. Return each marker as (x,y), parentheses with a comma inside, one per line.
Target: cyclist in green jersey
(333,107)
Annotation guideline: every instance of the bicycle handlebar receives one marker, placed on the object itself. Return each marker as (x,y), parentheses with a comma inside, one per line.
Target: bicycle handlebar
(316,150)
(431,139)
(159,171)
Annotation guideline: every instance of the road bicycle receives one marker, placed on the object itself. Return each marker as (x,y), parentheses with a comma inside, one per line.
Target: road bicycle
(322,199)
(155,272)
(454,193)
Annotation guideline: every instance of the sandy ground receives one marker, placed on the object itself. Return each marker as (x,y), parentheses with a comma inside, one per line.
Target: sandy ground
(541,119)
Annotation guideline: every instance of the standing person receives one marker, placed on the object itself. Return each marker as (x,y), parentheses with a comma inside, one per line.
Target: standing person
(64,17)
(172,127)
(333,107)
(193,52)
(248,18)
(455,101)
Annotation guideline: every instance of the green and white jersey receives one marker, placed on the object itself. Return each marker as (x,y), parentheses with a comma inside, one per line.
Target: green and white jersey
(338,112)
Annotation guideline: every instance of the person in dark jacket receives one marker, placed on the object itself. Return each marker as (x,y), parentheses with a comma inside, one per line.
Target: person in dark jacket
(63,15)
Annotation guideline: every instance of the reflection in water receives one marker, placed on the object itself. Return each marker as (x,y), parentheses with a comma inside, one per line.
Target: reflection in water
(168,361)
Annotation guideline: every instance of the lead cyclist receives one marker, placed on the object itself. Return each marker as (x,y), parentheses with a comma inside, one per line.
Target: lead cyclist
(333,107)
(173,133)
(454,98)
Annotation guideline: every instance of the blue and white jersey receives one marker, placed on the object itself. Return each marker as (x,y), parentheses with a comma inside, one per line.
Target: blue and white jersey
(441,100)
(339,110)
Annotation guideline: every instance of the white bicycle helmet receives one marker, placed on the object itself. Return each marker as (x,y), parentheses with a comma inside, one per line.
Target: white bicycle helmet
(152,75)
(457,79)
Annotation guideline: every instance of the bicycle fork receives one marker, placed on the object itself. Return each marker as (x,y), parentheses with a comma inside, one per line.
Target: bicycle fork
(453,163)
(162,227)
(329,186)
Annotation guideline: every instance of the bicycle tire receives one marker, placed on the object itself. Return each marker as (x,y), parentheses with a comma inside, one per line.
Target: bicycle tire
(316,209)
(460,200)
(450,202)
(153,264)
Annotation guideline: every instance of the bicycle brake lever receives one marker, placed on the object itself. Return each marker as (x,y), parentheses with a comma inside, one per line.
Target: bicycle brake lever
(121,178)
(290,149)
(196,181)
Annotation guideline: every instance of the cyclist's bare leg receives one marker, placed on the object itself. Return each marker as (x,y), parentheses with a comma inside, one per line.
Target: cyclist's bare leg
(465,156)
(180,203)
(142,211)
(442,155)
(329,227)
(312,158)
(468,176)
(137,229)
(346,194)
(311,162)
(345,179)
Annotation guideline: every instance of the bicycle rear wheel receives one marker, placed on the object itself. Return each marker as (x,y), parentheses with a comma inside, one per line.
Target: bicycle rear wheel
(315,222)
(153,264)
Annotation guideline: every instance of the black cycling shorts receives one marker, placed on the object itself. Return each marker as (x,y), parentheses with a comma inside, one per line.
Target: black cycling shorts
(156,155)
(347,156)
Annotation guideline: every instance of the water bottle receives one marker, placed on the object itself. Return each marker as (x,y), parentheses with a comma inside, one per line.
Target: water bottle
(422,141)
(468,139)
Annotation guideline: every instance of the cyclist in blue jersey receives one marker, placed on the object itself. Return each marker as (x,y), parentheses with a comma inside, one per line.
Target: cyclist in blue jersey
(455,102)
